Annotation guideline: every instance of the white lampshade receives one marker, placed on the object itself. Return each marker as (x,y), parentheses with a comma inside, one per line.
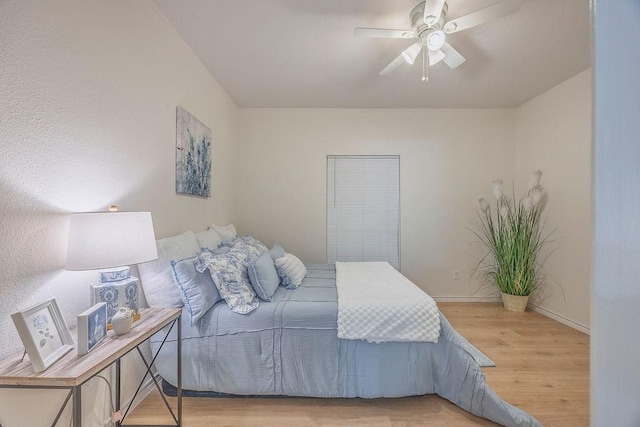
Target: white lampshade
(110,239)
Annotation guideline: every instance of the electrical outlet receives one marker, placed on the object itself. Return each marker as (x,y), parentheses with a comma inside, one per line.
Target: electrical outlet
(456,274)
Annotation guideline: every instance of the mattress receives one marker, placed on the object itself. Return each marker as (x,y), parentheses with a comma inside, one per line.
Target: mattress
(290,347)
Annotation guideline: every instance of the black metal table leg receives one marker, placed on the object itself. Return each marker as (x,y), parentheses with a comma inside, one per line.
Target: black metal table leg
(77,405)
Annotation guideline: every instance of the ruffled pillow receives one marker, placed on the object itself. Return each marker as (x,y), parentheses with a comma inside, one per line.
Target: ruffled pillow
(229,274)
(197,290)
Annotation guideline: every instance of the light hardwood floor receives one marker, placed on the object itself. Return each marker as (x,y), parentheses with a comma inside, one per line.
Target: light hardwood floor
(542,367)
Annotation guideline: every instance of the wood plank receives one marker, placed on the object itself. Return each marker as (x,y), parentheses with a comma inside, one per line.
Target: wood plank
(542,367)
(71,369)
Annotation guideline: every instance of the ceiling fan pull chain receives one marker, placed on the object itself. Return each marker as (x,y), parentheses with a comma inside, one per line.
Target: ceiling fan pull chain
(425,66)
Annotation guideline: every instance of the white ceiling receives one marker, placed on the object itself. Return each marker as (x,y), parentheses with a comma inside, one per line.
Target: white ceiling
(302,53)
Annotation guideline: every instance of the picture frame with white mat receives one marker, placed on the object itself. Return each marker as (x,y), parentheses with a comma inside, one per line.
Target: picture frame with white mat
(44,333)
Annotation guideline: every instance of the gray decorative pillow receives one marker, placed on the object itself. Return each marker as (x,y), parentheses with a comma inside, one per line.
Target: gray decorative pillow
(229,273)
(264,277)
(276,252)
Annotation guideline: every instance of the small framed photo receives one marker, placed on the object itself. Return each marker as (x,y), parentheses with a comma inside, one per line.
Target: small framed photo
(92,327)
(44,333)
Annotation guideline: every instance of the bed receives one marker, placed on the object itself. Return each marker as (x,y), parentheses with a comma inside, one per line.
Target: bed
(289,346)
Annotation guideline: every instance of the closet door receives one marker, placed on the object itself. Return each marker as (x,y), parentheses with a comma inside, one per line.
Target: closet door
(363,209)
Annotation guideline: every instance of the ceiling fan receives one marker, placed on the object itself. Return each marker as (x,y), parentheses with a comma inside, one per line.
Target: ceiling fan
(429,27)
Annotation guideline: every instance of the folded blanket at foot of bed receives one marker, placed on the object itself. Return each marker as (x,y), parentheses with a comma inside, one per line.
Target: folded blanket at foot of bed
(377,303)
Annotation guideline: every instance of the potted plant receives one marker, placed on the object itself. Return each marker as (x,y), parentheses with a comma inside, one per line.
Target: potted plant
(512,234)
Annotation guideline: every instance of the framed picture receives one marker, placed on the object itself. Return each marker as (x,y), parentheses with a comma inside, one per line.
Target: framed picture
(92,327)
(44,333)
(193,155)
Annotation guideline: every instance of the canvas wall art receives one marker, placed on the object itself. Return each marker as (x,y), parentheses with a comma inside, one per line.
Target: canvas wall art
(193,155)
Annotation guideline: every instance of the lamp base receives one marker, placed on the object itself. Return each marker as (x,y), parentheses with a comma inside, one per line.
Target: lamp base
(122,293)
(115,274)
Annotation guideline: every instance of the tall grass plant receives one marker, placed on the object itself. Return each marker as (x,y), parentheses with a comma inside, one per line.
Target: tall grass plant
(512,233)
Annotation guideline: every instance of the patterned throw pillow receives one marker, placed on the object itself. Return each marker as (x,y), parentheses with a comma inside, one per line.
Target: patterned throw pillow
(253,246)
(229,273)
(291,270)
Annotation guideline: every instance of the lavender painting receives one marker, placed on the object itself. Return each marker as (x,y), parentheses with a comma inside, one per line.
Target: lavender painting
(193,155)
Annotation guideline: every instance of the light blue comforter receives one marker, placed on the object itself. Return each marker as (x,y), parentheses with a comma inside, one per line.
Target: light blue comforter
(290,347)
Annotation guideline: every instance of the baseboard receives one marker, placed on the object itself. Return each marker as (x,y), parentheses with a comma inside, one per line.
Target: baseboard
(560,318)
(466,299)
(551,314)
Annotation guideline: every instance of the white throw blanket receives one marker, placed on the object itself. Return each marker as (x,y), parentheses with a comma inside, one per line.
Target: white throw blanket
(377,303)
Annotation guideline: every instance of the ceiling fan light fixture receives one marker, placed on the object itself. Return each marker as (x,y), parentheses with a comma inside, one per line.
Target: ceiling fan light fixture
(435,40)
(411,53)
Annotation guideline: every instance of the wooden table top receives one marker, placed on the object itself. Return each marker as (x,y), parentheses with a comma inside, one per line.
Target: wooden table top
(73,370)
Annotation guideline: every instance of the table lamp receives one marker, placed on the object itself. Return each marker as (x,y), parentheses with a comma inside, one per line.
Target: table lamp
(110,242)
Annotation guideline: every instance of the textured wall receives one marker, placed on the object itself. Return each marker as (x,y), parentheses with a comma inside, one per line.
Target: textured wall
(88,96)
(554,135)
(448,159)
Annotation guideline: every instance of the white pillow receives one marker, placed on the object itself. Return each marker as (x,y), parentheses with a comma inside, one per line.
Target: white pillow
(291,270)
(208,239)
(156,276)
(226,232)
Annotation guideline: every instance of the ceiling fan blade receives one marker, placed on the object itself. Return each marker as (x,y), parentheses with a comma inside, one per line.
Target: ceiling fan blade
(481,16)
(393,65)
(383,32)
(452,57)
(432,11)
(436,56)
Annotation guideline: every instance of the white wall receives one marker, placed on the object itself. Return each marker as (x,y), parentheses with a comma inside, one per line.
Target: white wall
(553,133)
(448,160)
(88,93)
(615,347)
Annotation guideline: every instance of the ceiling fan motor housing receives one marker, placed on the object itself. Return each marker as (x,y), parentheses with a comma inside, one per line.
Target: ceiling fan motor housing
(430,35)
(417,19)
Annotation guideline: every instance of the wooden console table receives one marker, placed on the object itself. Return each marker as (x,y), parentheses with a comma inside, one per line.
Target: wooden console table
(72,371)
